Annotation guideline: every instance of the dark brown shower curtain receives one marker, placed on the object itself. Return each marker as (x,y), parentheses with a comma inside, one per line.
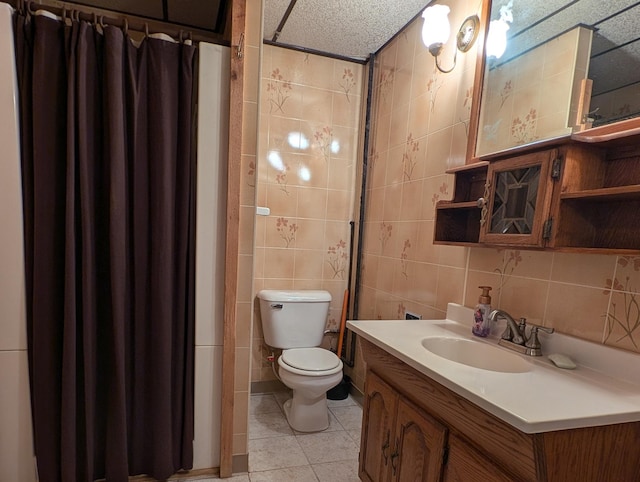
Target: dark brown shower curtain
(108,181)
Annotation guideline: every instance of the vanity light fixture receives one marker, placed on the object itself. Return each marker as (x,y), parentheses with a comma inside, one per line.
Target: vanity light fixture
(436,31)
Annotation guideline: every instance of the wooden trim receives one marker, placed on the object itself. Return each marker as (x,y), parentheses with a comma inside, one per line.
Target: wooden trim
(609,132)
(477,164)
(478,81)
(236,91)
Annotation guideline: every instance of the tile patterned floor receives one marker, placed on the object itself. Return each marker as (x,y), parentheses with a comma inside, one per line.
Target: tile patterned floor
(279,454)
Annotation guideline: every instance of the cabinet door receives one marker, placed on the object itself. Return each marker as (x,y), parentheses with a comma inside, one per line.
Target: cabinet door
(519,200)
(469,464)
(419,446)
(380,405)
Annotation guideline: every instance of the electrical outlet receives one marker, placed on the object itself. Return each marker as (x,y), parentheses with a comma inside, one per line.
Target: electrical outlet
(411,316)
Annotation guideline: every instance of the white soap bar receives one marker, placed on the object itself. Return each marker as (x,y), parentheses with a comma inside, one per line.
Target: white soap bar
(562,361)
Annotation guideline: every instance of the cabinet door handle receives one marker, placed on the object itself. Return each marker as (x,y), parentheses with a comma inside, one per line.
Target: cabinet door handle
(385,448)
(394,456)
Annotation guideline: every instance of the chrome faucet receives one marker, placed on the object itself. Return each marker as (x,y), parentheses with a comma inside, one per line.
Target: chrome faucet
(514,332)
(515,337)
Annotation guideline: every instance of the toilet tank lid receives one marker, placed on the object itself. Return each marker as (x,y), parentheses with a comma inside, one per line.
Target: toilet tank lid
(295,295)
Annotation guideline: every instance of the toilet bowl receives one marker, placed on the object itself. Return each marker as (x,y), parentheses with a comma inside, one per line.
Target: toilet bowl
(309,372)
(295,321)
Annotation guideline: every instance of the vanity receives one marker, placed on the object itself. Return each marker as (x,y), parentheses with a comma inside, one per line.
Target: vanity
(436,412)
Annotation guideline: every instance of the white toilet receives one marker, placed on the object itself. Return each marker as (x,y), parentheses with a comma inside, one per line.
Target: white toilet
(295,321)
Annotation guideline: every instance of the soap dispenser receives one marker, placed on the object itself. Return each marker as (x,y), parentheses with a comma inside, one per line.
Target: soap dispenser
(481,323)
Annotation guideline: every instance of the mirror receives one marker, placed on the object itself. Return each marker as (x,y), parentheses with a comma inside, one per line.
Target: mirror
(568,65)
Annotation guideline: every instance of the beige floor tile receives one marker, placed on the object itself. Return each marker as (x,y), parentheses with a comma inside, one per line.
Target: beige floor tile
(344,471)
(355,436)
(291,474)
(328,447)
(349,417)
(235,478)
(275,453)
(341,403)
(265,425)
(264,403)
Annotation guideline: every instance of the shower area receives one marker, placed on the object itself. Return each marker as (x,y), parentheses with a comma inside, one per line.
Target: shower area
(204,348)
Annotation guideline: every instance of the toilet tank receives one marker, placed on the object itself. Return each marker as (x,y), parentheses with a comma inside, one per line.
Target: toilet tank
(294,319)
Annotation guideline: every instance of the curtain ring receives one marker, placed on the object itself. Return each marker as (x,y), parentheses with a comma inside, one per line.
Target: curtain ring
(101,21)
(126,26)
(95,20)
(146,30)
(180,35)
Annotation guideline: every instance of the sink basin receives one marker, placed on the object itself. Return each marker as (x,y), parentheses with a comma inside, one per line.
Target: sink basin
(476,354)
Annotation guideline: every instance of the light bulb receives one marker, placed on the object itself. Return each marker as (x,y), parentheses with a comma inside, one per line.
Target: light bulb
(436,28)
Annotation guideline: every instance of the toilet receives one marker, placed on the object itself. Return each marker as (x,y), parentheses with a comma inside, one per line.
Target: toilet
(295,322)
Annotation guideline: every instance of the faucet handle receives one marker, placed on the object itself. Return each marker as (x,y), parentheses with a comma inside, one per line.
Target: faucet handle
(533,341)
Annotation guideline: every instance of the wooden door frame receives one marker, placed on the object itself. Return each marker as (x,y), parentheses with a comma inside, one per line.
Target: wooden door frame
(236,93)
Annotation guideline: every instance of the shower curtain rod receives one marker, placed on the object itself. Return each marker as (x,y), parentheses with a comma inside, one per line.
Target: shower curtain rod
(123,21)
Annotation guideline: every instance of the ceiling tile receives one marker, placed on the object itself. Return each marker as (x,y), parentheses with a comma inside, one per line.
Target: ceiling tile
(352,29)
(274,10)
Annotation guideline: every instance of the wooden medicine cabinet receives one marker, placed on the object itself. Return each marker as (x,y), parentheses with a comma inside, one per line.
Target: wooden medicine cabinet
(580,193)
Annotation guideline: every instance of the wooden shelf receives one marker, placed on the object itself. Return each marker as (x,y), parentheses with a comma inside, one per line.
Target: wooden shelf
(618,131)
(468,167)
(606,194)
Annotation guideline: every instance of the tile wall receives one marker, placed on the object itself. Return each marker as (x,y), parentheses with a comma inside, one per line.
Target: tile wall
(308,145)
(420,130)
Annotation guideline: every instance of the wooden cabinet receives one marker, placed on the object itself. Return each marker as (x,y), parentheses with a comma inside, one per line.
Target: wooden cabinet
(381,404)
(597,204)
(469,464)
(458,220)
(399,441)
(519,197)
(581,194)
(440,435)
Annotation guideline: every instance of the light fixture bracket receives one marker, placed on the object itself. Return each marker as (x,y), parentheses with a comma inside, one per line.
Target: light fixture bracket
(435,49)
(468,33)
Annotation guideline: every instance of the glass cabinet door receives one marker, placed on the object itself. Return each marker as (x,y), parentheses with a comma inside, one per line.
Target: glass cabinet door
(518,199)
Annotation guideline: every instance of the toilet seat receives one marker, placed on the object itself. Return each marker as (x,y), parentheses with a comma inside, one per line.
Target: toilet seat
(314,362)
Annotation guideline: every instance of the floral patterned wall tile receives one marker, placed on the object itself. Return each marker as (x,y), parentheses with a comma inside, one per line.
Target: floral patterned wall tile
(448,289)
(308,148)
(623,314)
(583,315)
(592,270)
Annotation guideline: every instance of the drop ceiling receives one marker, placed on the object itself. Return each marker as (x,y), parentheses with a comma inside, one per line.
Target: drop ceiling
(351,28)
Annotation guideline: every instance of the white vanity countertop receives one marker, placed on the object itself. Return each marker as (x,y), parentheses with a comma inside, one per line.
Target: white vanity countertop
(604,388)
